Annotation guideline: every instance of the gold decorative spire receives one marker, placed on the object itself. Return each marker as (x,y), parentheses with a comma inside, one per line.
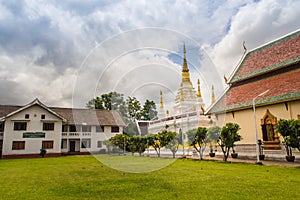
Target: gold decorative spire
(199,91)
(161,103)
(213,95)
(185,69)
(181,95)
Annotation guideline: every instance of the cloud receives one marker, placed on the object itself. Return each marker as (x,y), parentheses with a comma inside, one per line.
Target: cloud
(256,24)
(66,52)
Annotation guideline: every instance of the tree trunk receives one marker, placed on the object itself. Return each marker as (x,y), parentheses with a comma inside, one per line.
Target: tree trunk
(174,154)
(227,154)
(291,153)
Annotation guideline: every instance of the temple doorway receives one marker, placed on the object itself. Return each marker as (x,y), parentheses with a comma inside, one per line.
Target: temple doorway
(269,134)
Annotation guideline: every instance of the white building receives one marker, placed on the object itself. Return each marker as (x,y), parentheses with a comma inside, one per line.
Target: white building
(188,107)
(24,130)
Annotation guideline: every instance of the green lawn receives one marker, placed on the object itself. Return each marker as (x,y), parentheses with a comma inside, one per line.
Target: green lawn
(84,177)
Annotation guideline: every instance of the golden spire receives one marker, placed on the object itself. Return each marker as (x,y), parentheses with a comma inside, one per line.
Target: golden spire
(199,91)
(161,103)
(213,95)
(185,69)
(181,95)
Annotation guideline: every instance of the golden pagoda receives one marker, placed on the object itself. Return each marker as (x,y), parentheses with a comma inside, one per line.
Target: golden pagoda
(187,99)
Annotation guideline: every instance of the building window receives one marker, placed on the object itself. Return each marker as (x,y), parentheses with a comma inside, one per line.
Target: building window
(74,128)
(26,116)
(18,145)
(99,129)
(99,144)
(86,143)
(48,126)
(86,128)
(115,129)
(1,126)
(43,116)
(20,126)
(47,145)
(64,144)
(64,128)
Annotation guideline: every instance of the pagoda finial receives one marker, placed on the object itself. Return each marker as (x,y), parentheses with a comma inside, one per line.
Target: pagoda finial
(199,91)
(185,69)
(161,103)
(213,95)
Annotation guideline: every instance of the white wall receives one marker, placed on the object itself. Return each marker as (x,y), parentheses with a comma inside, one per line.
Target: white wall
(34,124)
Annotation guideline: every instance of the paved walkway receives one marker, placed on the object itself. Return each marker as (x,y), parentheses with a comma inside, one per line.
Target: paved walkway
(264,162)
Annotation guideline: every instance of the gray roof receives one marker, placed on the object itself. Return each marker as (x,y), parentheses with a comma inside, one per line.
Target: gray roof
(91,116)
(75,115)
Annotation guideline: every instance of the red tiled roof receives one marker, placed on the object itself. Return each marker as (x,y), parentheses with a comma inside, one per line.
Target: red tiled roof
(282,87)
(268,57)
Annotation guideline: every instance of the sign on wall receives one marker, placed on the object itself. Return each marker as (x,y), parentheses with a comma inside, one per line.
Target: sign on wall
(34,135)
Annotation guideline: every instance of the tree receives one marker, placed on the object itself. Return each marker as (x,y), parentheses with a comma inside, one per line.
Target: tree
(150,140)
(213,134)
(174,144)
(121,141)
(114,101)
(149,111)
(229,135)
(290,131)
(138,144)
(197,139)
(130,109)
(133,108)
(95,103)
(109,101)
(162,139)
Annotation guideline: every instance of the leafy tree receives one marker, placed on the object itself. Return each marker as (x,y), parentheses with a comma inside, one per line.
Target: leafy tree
(133,108)
(174,144)
(213,134)
(131,144)
(137,144)
(150,140)
(121,141)
(290,131)
(197,139)
(95,103)
(149,111)
(162,139)
(130,109)
(114,101)
(229,135)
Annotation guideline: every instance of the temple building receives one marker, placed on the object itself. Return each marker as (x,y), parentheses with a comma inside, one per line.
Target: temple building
(267,79)
(188,108)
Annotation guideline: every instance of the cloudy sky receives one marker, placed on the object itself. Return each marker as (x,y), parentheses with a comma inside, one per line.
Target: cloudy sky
(67,52)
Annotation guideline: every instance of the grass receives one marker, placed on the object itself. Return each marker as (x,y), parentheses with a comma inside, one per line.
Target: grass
(84,177)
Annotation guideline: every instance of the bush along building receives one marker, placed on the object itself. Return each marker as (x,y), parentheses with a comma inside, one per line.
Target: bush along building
(267,79)
(25,131)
